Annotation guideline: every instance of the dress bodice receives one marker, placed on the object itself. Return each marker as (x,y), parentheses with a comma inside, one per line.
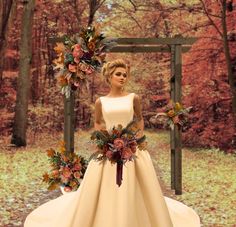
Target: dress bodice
(117,110)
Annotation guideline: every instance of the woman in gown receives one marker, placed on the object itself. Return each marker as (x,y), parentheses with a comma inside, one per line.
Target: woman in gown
(99,201)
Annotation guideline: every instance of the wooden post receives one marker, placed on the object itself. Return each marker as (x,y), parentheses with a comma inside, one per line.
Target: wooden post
(69,122)
(177,130)
(172,140)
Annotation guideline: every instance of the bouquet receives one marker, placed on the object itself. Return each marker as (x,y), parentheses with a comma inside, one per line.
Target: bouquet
(176,114)
(78,57)
(117,145)
(67,169)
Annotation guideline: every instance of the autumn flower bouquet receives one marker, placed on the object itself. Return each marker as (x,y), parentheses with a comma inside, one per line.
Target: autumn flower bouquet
(176,114)
(78,57)
(67,169)
(117,145)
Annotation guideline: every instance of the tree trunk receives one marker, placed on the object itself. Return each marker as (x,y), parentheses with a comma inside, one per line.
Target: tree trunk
(23,81)
(228,59)
(6,11)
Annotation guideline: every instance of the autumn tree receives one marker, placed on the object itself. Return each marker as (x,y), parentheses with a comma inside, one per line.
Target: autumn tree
(6,11)
(23,81)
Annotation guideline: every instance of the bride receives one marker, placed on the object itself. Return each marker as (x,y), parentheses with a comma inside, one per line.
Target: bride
(99,201)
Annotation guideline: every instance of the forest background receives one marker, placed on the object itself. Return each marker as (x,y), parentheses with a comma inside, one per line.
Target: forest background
(209,68)
(206,83)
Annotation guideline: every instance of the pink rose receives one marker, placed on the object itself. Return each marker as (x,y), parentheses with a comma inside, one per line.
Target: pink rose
(126,153)
(77,167)
(109,154)
(119,143)
(77,51)
(66,172)
(67,189)
(77,175)
(76,60)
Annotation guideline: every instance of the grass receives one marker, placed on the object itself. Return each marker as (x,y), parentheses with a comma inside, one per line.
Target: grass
(209,178)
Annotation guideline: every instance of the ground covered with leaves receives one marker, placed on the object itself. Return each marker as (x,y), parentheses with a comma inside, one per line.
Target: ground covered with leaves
(209,179)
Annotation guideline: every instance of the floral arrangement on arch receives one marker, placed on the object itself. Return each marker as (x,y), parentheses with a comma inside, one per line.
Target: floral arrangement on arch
(68,169)
(117,145)
(175,113)
(78,57)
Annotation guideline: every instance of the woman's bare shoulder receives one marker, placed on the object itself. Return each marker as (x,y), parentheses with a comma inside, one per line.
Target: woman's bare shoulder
(98,101)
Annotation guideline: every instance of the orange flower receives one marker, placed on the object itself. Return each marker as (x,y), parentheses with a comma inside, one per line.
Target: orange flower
(91,45)
(50,152)
(171,113)
(59,48)
(45,177)
(62,80)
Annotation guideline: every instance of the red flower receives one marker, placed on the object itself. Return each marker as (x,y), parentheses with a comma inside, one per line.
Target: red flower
(109,154)
(127,153)
(77,167)
(77,51)
(119,143)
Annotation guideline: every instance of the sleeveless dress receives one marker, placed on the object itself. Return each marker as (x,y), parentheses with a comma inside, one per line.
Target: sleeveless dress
(99,202)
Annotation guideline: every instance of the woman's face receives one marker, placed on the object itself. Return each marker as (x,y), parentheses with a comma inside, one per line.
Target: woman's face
(119,77)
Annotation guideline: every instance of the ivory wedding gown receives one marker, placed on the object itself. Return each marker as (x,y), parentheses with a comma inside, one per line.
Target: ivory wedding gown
(99,202)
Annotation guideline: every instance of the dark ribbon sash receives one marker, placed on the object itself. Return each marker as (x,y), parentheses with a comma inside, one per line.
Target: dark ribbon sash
(119,172)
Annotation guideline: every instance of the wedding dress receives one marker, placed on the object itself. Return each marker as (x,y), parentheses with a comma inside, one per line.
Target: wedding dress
(100,202)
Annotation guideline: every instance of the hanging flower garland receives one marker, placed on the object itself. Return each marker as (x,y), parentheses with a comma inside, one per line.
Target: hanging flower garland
(78,57)
(176,114)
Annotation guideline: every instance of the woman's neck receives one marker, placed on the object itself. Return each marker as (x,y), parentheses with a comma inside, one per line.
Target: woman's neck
(116,92)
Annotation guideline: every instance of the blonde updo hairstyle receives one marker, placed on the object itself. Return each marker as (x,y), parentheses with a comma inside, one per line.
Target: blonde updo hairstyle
(109,68)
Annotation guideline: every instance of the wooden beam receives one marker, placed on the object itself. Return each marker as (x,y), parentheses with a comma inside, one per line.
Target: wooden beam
(141,41)
(174,40)
(177,130)
(69,122)
(172,136)
(142,49)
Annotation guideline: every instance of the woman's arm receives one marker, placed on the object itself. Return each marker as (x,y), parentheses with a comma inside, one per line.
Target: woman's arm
(138,114)
(98,115)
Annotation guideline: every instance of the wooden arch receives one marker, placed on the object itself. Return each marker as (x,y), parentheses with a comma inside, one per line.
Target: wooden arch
(175,46)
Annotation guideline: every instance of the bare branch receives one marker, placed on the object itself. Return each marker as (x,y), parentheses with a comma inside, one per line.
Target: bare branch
(208,16)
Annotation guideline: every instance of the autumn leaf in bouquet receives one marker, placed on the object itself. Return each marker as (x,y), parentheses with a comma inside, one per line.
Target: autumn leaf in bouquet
(175,114)
(117,145)
(78,57)
(67,169)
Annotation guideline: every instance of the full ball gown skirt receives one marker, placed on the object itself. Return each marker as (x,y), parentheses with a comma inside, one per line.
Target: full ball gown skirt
(100,202)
